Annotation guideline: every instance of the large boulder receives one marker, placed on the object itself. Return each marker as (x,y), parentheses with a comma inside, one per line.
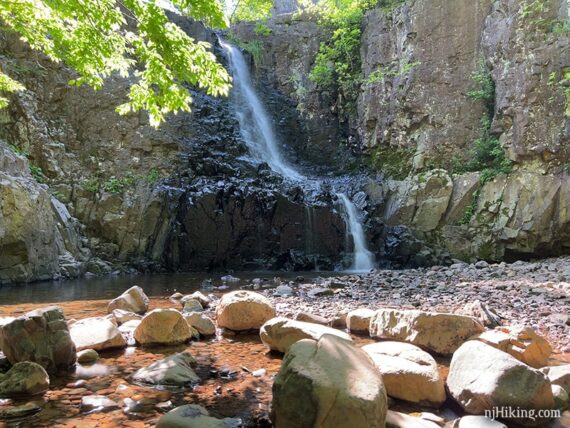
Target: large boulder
(328,383)
(174,370)
(204,325)
(409,373)
(162,327)
(243,310)
(358,320)
(279,333)
(483,378)
(23,379)
(194,416)
(133,300)
(96,333)
(41,336)
(523,343)
(438,332)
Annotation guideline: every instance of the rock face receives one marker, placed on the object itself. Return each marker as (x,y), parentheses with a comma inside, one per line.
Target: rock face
(441,333)
(132,300)
(96,333)
(243,310)
(162,327)
(482,377)
(408,373)
(328,383)
(278,334)
(24,379)
(195,416)
(40,336)
(175,370)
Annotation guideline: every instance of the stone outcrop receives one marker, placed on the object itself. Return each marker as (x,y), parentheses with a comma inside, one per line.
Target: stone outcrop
(40,336)
(278,334)
(408,373)
(438,332)
(482,378)
(243,310)
(174,370)
(24,379)
(328,383)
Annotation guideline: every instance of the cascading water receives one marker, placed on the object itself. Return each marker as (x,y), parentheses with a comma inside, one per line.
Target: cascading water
(255,124)
(363,259)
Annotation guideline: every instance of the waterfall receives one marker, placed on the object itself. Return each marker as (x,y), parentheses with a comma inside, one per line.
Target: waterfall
(362,258)
(255,124)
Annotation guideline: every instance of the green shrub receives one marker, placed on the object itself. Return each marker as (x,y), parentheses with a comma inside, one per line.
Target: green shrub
(37,173)
(484,86)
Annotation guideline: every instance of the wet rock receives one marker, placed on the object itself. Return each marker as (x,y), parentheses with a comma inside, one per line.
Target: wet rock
(520,342)
(123,316)
(133,300)
(308,317)
(204,325)
(87,356)
(340,386)
(41,336)
(192,305)
(162,327)
(558,375)
(358,321)
(408,373)
(243,310)
(24,379)
(439,332)
(199,296)
(482,377)
(22,411)
(174,370)
(97,403)
(278,334)
(401,420)
(96,333)
(195,416)
(477,422)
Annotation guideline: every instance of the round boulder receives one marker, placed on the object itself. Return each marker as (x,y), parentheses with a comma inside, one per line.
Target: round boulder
(133,300)
(24,379)
(162,327)
(96,333)
(243,310)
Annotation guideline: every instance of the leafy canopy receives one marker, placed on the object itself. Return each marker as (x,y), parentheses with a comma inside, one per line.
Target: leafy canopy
(98,38)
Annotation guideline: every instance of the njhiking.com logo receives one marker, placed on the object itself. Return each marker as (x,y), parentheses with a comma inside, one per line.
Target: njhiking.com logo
(507,412)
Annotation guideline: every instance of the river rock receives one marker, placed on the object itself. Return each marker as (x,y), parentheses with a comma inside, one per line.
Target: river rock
(204,325)
(122,316)
(41,336)
(87,356)
(401,420)
(358,321)
(128,331)
(162,327)
(439,332)
(308,317)
(96,333)
(244,310)
(482,378)
(477,422)
(523,343)
(23,379)
(194,416)
(192,305)
(133,300)
(174,370)
(204,300)
(279,333)
(97,403)
(328,383)
(409,373)
(558,375)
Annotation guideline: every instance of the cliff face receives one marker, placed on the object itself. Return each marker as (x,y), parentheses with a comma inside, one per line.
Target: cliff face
(421,119)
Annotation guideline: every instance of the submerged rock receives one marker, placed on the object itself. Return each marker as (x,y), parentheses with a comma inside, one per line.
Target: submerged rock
(174,370)
(279,333)
(408,373)
(40,336)
(162,327)
(96,333)
(133,300)
(328,383)
(244,310)
(23,379)
(195,416)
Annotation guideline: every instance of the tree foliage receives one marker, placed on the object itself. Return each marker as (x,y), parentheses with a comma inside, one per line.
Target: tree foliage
(250,10)
(98,38)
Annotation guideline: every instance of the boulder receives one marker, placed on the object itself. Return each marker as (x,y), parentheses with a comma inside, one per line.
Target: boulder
(482,378)
(438,332)
(96,333)
(40,336)
(401,420)
(174,370)
(192,305)
(128,331)
(523,343)
(409,373)
(358,321)
(477,422)
(244,310)
(133,300)
(558,375)
(328,383)
(87,356)
(162,327)
(23,379)
(308,317)
(122,316)
(204,325)
(199,296)
(194,416)
(279,333)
